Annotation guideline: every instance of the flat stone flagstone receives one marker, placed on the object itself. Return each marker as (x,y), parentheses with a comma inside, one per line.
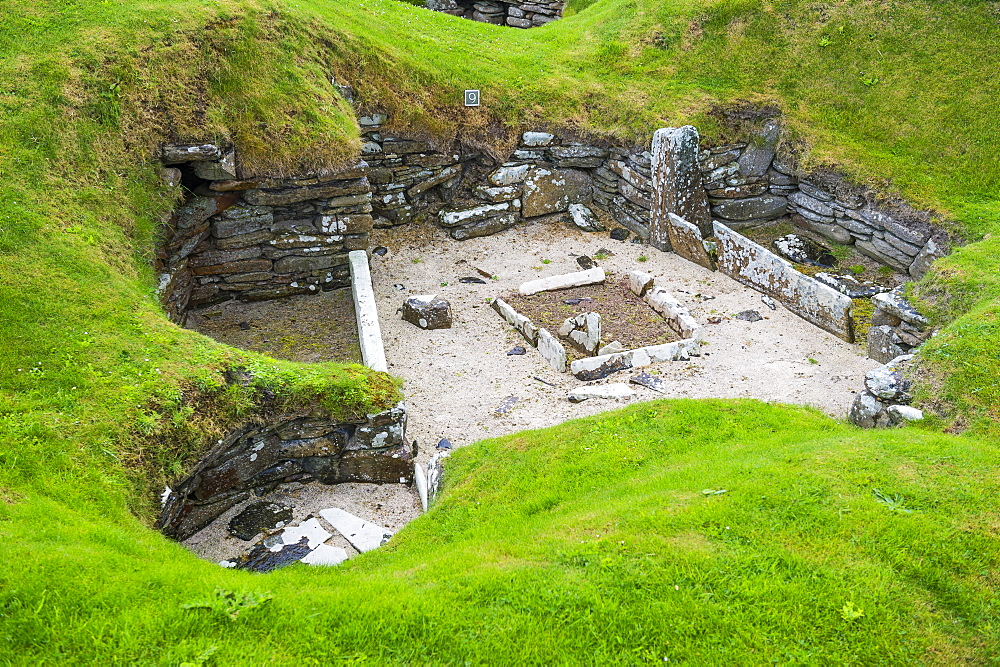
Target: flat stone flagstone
(363,535)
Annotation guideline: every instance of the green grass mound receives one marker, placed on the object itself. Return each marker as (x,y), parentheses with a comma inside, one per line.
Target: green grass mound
(604,539)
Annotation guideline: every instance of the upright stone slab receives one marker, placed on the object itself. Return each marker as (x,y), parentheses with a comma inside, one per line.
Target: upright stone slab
(765,272)
(688,242)
(677,186)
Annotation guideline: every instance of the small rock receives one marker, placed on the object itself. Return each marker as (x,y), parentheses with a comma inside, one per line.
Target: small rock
(380,251)
(245,326)
(444,443)
(637,240)
(646,380)
(620,234)
(519,349)
(769,302)
(714,319)
(399,287)
(615,391)
(749,316)
(473,280)
(585,262)
(887,384)
(427,312)
(505,406)
(603,252)
(576,301)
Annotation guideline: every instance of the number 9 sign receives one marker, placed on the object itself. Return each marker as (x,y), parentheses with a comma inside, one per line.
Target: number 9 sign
(472,98)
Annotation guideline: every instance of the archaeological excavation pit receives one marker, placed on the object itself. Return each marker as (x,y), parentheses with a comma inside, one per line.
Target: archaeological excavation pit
(272,265)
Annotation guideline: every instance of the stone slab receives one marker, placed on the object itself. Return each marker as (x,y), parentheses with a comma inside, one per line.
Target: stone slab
(759,268)
(324,554)
(577,279)
(369,330)
(517,320)
(552,350)
(677,184)
(687,241)
(363,535)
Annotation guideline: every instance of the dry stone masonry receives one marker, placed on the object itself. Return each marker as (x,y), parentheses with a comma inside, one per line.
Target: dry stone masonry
(257,458)
(517,14)
(258,239)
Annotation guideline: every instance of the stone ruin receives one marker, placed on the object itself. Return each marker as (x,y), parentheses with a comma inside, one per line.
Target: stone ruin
(517,14)
(258,238)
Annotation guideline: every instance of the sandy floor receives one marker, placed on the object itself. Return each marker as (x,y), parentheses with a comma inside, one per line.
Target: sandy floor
(389,505)
(456,378)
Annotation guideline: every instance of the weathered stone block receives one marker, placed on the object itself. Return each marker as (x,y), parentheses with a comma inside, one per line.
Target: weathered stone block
(470,215)
(427,312)
(177,153)
(765,207)
(552,350)
(758,155)
(553,190)
(584,218)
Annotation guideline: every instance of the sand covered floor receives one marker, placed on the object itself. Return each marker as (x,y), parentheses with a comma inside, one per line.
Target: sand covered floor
(456,378)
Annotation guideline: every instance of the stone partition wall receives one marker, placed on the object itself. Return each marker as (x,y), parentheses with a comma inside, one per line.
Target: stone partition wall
(517,13)
(256,458)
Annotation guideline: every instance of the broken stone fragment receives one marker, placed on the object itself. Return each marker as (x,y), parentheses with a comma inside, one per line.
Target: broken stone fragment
(616,391)
(611,348)
(584,218)
(427,312)
(640,283)
(620,234)
(584,330)
(644,379)
(749,316)
(901,414)
(536,138)
(585,262)
(804,251)
(363,535)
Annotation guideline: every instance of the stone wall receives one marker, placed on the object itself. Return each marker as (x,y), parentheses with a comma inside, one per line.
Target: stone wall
(897,328)
(258,239)
(517,14)
(256,458)
(750,184)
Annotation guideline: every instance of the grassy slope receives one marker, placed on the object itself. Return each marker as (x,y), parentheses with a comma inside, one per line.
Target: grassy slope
(88,365)
(592,541)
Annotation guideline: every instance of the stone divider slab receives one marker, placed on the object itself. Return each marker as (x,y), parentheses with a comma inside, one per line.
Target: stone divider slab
(369,330)
(576,279)
(547,345)
(757,267)
(688,242)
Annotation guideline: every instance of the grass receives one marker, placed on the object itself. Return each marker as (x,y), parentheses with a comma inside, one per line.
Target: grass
(588,542)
